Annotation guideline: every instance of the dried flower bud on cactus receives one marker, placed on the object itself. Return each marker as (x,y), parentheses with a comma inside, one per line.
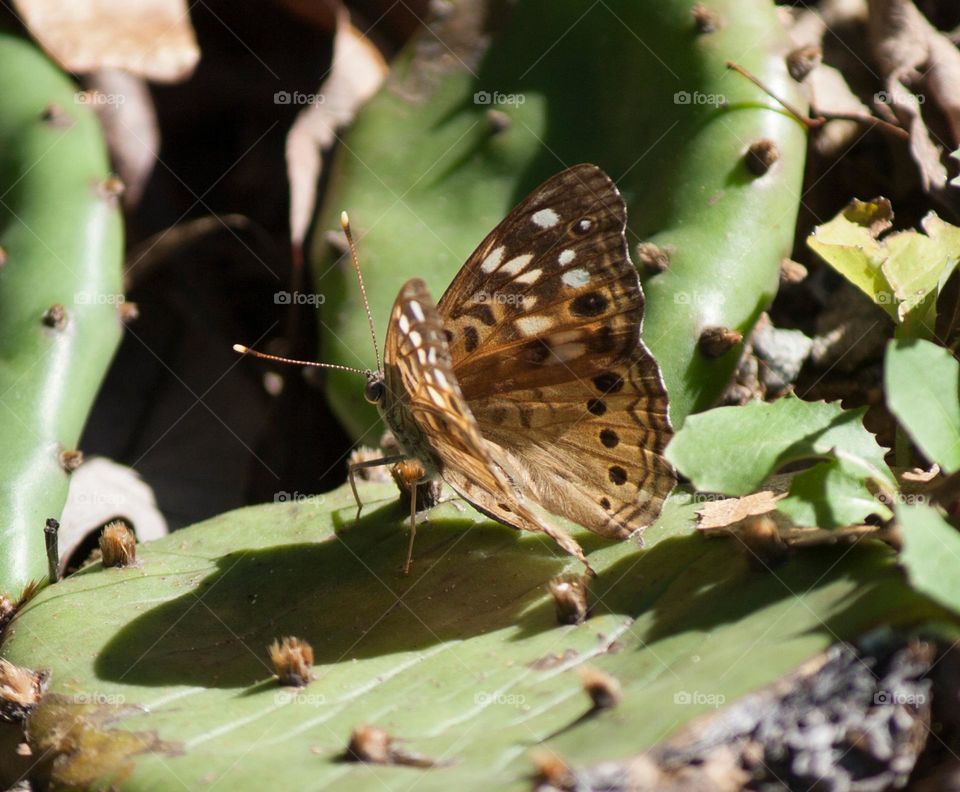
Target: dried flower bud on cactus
(292,660)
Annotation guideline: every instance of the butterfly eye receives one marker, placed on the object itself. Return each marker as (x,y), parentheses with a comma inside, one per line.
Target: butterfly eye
(374,390)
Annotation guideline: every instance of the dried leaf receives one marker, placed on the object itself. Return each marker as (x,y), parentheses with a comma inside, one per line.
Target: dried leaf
(914,56)
(357,71)
(150,38)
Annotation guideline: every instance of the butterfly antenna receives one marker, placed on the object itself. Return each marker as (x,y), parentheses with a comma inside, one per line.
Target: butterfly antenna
(345,225)
(243,350)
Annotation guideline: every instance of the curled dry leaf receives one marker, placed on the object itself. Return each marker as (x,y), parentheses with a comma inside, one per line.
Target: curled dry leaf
(125,108)
(355,75)
(150,38)
(920,65)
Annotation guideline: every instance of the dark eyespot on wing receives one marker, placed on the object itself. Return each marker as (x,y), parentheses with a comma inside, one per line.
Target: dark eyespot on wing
(589,304)
(597,406)
(618,475)
(609,438)
(608,382)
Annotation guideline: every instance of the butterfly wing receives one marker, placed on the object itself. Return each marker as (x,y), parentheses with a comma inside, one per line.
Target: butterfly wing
(430,418)
(545,319)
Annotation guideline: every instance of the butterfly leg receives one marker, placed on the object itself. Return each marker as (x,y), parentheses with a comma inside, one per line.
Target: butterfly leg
(369,463)
(413,529)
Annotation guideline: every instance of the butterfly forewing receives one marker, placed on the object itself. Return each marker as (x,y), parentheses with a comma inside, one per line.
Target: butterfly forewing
(545,320)
(425,408)
(545,295)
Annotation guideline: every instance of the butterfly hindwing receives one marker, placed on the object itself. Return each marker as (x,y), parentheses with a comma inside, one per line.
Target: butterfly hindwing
(546,317)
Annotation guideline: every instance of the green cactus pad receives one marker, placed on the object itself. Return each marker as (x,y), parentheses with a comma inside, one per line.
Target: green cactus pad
(165,665)
(61,248)
(461,132)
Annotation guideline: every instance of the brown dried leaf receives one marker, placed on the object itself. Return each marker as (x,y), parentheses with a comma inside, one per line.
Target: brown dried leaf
(150,38)
(357,71)
(913,55)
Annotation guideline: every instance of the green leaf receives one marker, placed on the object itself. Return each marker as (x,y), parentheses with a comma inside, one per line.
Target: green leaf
(931,553)
(849,244)
(734,449)
(922,383)
(829,496)
(463,660)
(900,272)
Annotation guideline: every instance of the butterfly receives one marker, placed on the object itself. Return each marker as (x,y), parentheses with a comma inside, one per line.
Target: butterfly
(527,386)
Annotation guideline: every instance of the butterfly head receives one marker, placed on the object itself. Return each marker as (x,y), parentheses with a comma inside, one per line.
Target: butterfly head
(375,389)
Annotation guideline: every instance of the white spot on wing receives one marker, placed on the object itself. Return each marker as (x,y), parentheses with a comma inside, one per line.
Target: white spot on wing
(566,257)
(416,310)
(441,379)
(415,338)
(585,225)
(493,259)
(576,278)
(546,218)
(516,264)
(404,324)
(533,325)
(435,396)
(530,277)
(529,300)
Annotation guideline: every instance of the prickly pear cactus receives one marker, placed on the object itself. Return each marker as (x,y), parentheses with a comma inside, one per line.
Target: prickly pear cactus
(61,247)
(160,675)
(491,101)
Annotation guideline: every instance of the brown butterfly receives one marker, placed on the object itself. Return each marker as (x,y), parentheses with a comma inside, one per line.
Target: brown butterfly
(527,384)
